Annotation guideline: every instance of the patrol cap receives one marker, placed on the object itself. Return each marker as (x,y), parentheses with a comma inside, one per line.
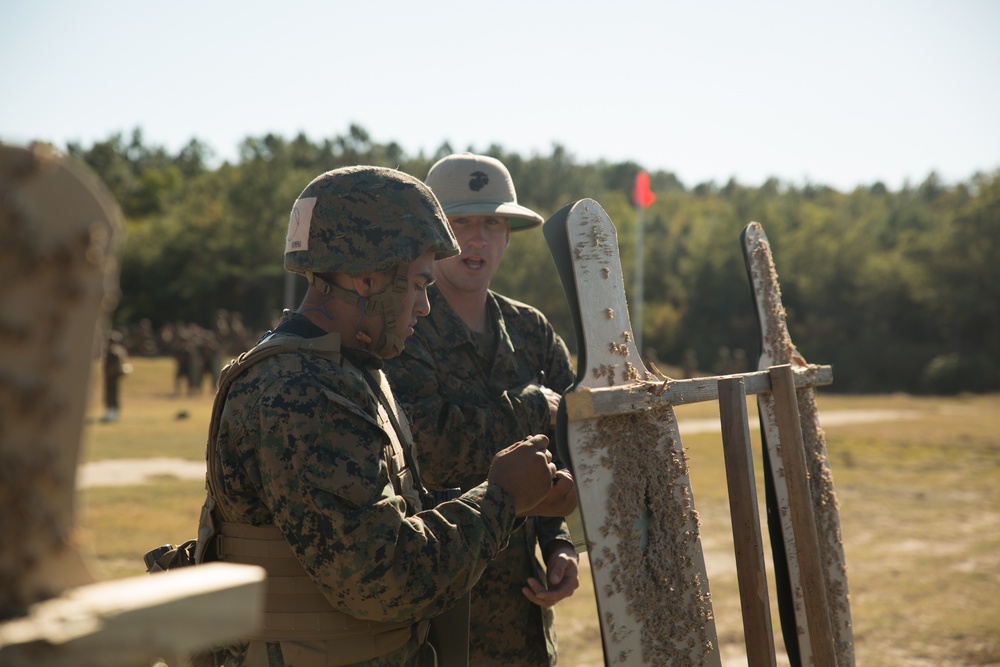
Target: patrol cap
(365,219)
(470,184)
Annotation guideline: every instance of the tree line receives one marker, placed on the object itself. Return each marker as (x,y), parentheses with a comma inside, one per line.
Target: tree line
(898,290)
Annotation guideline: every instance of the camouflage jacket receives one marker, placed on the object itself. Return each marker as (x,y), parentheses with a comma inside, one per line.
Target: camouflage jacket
(465,404)
(300,447)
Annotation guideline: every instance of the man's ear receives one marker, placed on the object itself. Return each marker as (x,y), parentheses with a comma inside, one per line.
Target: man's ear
(368,284)
(363,284)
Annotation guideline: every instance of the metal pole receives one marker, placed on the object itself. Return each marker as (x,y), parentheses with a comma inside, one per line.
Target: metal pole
(640,214)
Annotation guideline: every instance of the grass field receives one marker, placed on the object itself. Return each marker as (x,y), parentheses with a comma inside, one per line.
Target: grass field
(919,499)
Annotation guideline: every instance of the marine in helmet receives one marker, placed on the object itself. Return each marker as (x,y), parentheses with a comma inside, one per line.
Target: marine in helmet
(310,472)
(481,369)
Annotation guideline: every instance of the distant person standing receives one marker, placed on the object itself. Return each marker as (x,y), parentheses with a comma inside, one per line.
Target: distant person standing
(116,366)
(689,362)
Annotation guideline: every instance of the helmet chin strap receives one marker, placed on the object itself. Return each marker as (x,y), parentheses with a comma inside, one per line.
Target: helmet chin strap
(387,304)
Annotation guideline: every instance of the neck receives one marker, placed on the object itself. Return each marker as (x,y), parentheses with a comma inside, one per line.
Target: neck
(469,306)
(332,316)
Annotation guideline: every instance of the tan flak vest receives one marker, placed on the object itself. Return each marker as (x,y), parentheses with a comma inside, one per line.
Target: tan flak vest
(311,632)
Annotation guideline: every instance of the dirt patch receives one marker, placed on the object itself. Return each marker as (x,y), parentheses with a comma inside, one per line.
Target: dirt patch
(132,472)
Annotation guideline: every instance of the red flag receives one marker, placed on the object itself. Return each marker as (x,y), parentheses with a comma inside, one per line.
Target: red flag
(642,196)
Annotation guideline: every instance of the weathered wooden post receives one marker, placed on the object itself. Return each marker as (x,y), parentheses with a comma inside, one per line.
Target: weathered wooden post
(817,636)
(60,232)
(632,474)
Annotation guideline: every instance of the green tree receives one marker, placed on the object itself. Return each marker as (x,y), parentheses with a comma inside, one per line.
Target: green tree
(897,290)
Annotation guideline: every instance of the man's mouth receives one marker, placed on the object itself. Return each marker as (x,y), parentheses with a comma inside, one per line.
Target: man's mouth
(474,263)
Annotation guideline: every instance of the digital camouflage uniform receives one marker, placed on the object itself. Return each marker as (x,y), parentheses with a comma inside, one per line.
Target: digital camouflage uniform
(300,447)
(466,401)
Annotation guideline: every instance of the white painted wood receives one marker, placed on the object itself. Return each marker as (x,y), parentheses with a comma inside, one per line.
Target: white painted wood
(778,349)
(588,403)
(632,480)
(137,620)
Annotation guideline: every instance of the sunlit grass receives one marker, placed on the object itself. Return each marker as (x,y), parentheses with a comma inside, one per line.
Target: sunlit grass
(154,421)
(919,506)
(120,524)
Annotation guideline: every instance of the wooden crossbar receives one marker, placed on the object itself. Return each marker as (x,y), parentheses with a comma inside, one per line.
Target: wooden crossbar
(588,403)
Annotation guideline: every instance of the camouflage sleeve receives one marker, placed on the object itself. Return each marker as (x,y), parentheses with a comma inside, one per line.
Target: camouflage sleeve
(559,376)
(457,430)
(552,531)
(319,469)
(550,355)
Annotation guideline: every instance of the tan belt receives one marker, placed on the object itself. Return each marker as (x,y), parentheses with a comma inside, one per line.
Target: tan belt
(296,610)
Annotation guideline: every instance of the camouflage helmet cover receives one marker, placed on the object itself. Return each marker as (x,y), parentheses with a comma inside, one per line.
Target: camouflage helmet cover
(365,219)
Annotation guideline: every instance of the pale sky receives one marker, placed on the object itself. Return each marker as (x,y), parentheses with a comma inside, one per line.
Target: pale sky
(840,93)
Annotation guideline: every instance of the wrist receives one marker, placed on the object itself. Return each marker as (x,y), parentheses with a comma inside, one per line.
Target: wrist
(560,546)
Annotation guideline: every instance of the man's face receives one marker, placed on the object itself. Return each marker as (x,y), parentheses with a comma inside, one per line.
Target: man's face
(415,303)
(483,240)
(411,304)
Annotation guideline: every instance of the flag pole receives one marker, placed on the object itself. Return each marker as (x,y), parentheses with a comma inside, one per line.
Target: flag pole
(642,197)
(640,223)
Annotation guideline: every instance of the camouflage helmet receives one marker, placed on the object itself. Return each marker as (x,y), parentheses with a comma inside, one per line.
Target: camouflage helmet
(365,219)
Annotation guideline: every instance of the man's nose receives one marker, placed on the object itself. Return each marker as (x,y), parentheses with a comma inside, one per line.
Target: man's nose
(477,236)
(423,305)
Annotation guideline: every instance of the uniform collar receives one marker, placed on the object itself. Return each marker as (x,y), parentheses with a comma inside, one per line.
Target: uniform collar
(362,358)
(304,328)
(298,326)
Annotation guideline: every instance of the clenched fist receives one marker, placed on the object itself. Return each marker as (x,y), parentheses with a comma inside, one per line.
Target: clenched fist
(525,470)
